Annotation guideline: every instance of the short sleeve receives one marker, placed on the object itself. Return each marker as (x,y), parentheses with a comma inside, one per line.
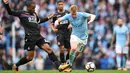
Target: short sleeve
(85,14)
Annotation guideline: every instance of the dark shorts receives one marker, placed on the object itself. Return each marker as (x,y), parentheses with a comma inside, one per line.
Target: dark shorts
(30,43)
(63,40)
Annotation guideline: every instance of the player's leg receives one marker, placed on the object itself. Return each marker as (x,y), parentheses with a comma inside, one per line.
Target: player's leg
(67,55)
(30,47)
(118,60)
(67,46)
(118,57)
(62,55)
(124,62)
(23,61)
(74,45)
(51,54)
(26,59)
(60,42)
(72,54)
(125,53)
(45,46)
(77,46)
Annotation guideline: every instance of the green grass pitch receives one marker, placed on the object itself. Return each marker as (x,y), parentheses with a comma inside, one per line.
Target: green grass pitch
(74,71)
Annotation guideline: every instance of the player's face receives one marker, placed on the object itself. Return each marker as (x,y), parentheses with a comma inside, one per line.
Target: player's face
(60,5)
(120,22)
(73,14)
(31,8)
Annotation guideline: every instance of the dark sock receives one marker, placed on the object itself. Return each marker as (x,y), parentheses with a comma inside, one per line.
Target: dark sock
(62,59)
(22,61)
(67,56)
(53,58)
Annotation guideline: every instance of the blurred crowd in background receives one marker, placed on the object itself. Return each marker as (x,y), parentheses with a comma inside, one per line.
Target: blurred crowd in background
(100,33)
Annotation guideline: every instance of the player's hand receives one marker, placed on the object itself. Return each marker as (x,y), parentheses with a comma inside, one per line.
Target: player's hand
(51,16)
(89,22)
(56,23)
(55,30)
(70,27)
(5,1)
(127,43)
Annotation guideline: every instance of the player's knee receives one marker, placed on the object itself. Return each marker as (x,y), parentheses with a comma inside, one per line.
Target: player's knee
(73,49)
(61,48)
(68,49)
(46,48)
(49,50)
(29,58)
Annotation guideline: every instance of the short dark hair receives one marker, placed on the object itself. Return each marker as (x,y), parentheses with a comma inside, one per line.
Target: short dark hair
(28,3)
(60,1)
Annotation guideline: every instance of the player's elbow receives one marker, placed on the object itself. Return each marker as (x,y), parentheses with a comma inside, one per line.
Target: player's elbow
(10,13)
(93,16)
(59,19)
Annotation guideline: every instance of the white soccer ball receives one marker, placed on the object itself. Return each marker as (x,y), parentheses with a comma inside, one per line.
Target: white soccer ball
(90,66)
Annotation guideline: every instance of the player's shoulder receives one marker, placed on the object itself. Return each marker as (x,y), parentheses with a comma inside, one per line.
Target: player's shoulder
(79,12)
(125,27)
(116,27)
(22,11)
(68,14)
(66,11)
(82,13)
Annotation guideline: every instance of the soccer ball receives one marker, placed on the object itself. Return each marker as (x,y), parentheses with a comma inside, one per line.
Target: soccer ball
(90,67)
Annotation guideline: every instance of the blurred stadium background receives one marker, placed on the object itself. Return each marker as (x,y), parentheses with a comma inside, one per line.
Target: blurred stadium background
(97,50)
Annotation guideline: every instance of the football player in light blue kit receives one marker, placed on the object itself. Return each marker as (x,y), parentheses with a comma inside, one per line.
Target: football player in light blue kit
(79,33)
(121,34)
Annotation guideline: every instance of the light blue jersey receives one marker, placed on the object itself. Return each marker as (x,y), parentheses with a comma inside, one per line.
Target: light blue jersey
(79,24)
(121,35)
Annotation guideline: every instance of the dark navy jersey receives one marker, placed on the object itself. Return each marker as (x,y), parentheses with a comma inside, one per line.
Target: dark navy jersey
(29,21)
(63,27)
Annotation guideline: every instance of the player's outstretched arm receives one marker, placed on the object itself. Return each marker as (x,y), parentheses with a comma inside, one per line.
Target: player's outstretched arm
(53,28)
(92,18)
(65,17)
(10,12)
(44,20)
(57,22)
(47,18)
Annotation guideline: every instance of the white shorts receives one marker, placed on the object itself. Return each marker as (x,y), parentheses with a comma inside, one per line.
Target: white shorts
(81,43)
(119,49)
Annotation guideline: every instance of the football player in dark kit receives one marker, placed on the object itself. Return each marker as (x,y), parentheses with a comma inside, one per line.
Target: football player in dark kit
(30,21)
(62,31)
